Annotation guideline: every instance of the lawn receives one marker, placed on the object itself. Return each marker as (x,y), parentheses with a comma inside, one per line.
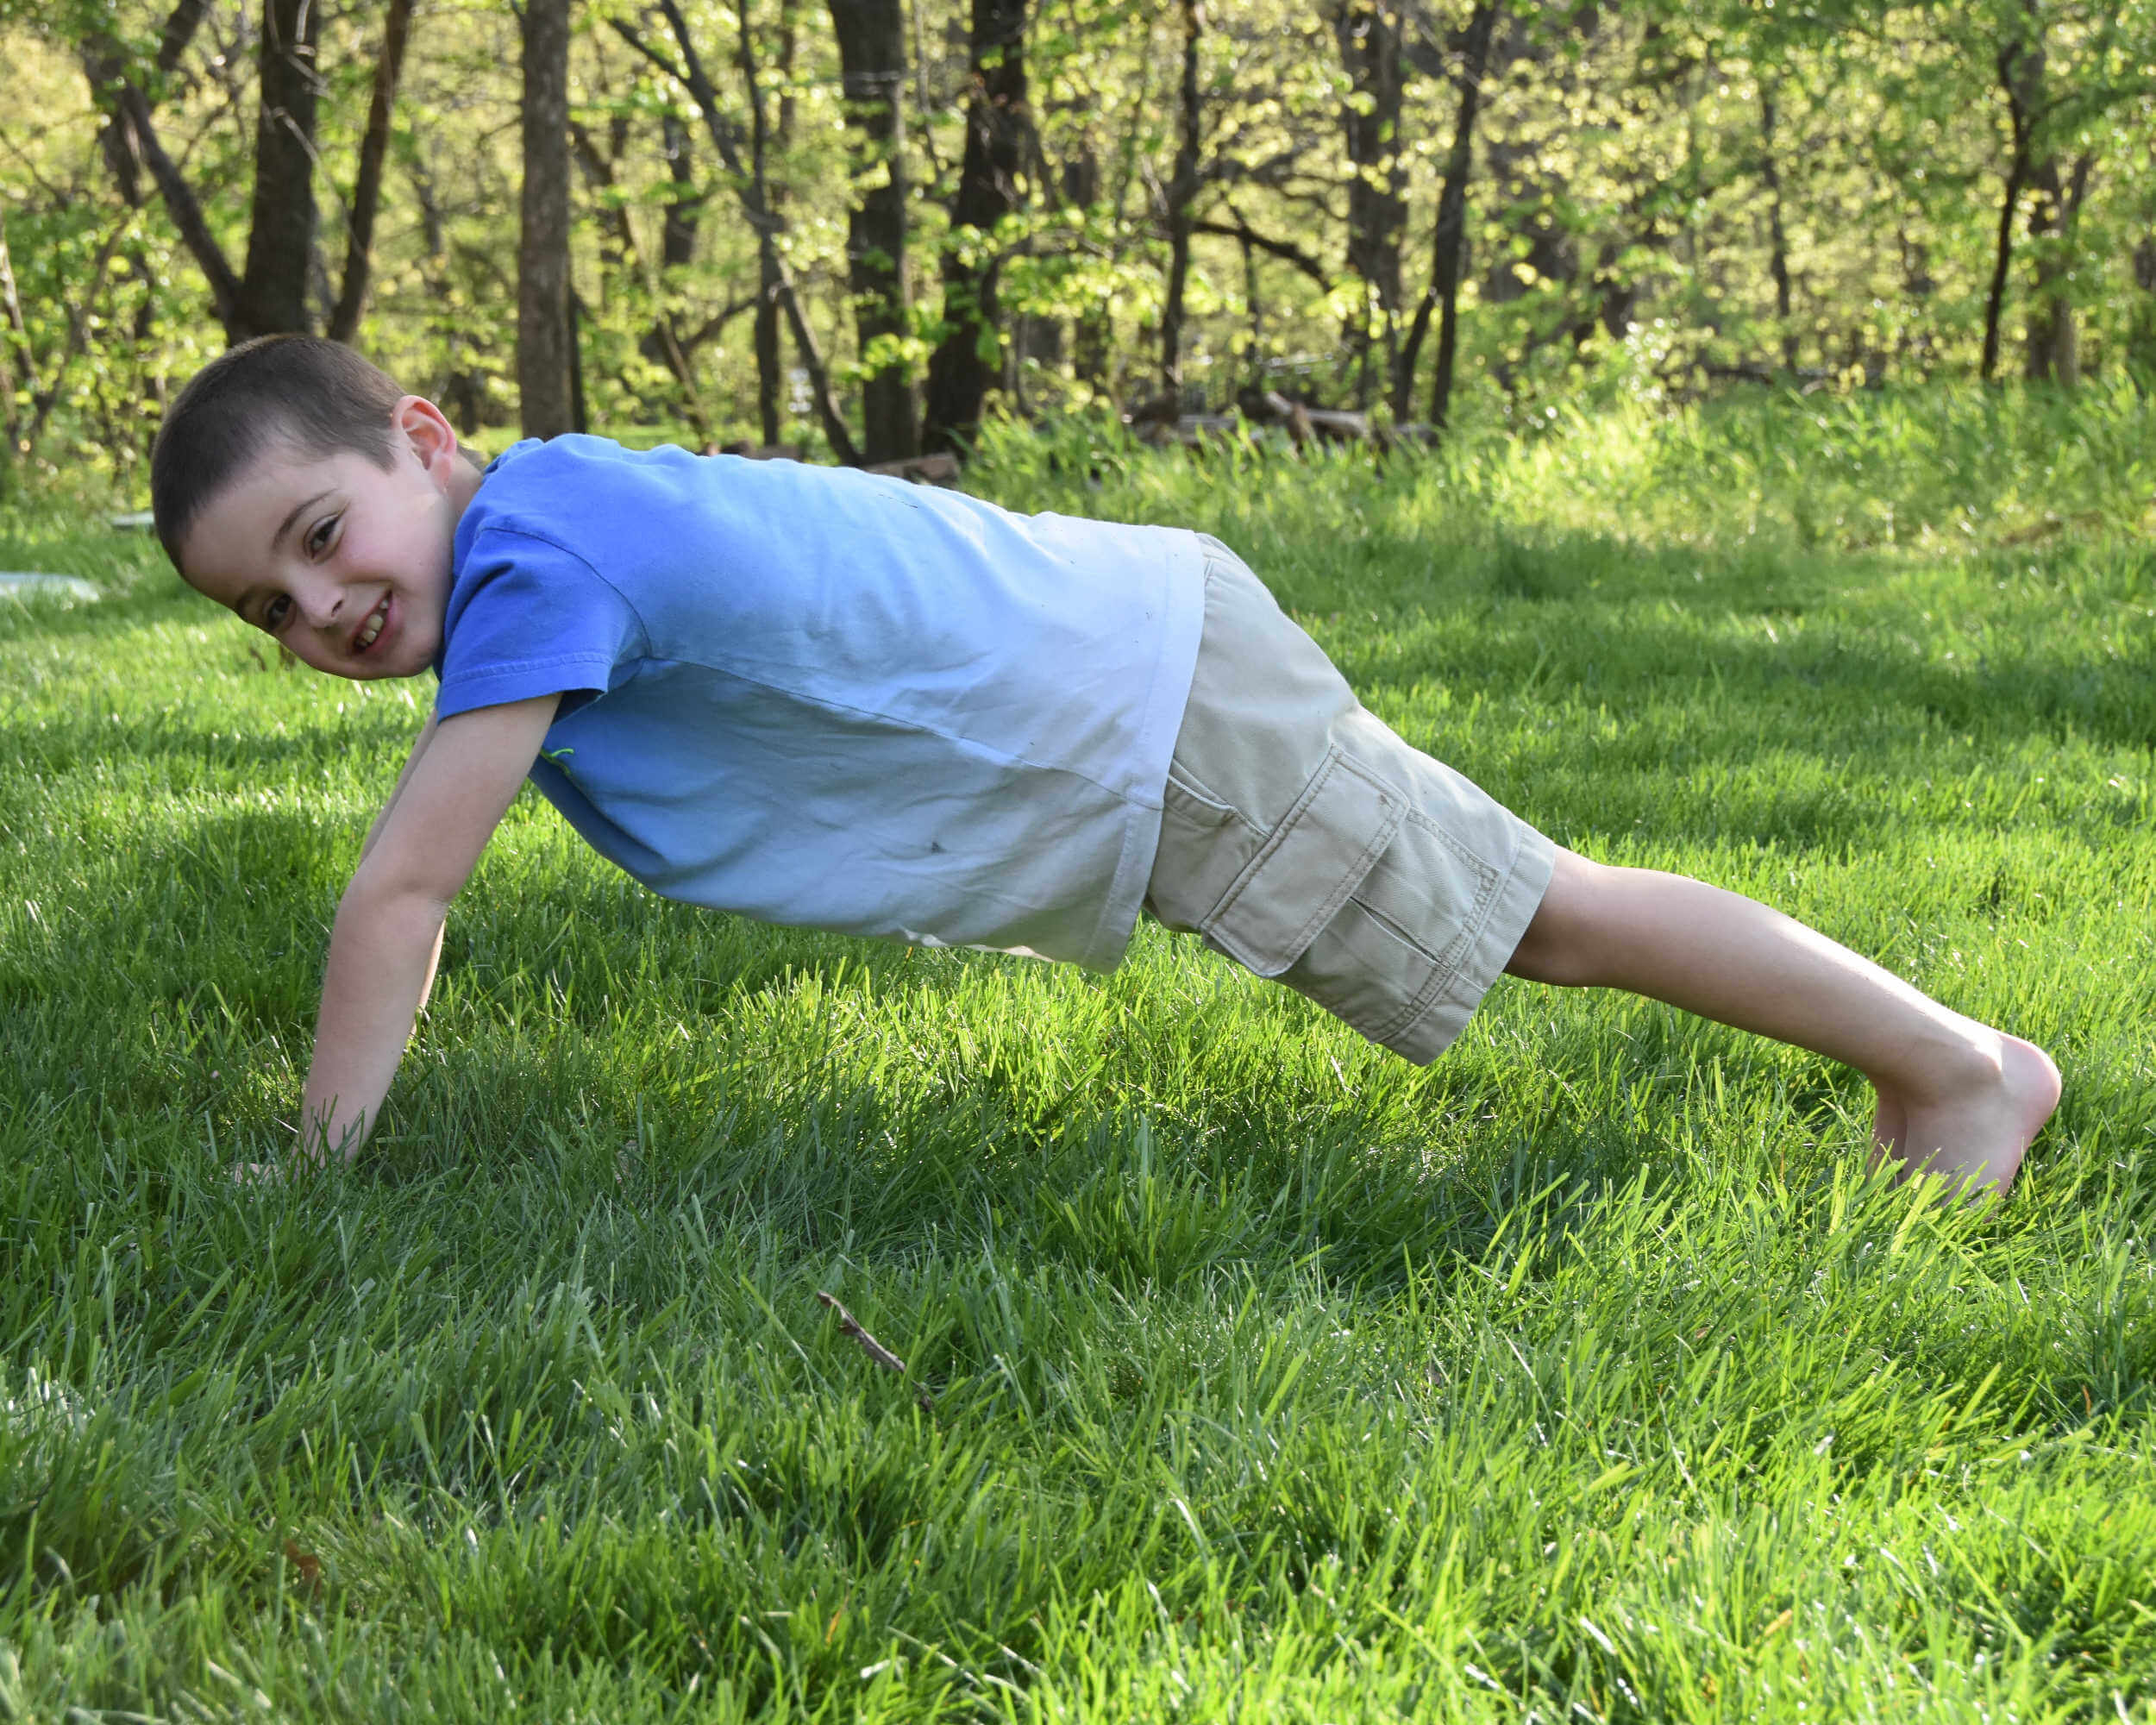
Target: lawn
(1252,1372)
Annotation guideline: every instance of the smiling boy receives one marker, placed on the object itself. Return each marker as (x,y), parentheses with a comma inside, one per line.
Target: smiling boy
(822,698)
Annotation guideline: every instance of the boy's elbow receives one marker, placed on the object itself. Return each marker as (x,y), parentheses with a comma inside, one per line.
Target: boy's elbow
(386,900)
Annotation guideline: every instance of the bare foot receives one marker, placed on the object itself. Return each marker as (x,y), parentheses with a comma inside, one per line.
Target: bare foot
(1975,1133)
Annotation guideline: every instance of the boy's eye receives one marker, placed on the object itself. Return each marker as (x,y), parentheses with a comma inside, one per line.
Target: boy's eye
(275,613)
(318,541)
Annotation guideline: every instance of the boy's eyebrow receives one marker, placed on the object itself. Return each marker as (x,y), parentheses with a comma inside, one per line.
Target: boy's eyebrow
(297,510)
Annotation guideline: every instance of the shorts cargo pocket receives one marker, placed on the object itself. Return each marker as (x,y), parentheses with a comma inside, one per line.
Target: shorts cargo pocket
(1307,867)
(1203,843)
(1385,965)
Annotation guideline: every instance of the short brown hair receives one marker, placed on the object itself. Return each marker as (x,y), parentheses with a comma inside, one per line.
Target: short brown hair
(318,396)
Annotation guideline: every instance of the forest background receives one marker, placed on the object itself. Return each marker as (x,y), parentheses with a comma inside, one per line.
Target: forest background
(858,227)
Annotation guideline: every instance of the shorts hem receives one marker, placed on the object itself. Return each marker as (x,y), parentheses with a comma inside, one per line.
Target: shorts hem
(1510,909)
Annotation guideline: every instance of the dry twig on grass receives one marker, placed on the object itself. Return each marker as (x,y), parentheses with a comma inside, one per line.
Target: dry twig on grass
(874,1349)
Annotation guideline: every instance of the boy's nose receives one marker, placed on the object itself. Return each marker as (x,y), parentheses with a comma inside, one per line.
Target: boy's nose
(319,602)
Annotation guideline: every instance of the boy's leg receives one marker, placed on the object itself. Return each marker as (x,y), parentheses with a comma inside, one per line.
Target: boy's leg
(1956,1098)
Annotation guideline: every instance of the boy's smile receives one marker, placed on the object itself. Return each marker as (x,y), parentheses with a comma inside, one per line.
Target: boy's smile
(347,564)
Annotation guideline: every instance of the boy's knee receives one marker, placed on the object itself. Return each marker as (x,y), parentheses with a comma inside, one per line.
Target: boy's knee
(1560,946)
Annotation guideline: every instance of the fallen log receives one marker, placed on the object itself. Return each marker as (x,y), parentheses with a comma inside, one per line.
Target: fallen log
(1161,410)
(1303,423)
(940,469)
(755,452)
(1337,425)
(1190,429)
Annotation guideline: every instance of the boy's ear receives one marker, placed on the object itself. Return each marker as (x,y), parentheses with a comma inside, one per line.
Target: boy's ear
(428,432)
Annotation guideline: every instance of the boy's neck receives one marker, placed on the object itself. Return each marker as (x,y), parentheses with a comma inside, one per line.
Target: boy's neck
(464,484)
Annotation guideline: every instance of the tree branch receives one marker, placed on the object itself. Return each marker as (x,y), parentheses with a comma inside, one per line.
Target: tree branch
(690,73)
(760,218)
(1285,250)
(179,30)
(130,110)
(717,322)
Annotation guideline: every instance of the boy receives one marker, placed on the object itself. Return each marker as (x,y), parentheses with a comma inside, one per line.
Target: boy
(825,697)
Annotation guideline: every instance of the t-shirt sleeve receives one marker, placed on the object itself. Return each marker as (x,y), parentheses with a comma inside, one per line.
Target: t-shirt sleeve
(526,618)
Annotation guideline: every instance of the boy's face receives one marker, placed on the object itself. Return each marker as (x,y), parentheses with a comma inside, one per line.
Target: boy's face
(347,564)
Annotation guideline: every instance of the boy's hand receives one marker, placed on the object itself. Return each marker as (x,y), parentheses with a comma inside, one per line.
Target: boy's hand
(461,777)
(260,1173)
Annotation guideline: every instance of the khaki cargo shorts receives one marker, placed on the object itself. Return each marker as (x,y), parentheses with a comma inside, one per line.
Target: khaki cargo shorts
(1305,840)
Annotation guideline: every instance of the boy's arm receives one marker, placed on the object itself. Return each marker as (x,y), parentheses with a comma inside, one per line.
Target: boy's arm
(459,781)
(404,778)
(373,833)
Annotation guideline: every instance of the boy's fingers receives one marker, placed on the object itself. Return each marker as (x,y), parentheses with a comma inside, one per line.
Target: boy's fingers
(257,1174)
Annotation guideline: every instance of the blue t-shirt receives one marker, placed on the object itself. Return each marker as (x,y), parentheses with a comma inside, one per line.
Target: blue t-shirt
(828,698)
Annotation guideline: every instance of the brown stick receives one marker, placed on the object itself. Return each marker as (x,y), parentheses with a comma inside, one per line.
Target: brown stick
(875,1350)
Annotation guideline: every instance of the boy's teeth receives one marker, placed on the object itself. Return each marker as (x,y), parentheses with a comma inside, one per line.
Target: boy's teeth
(373,625)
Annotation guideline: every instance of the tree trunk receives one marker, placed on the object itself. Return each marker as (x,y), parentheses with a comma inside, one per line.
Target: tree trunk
(1777,233)
(106,66)
(2051,321)
(871,58)
(281,234)
(1370,35)
(663,343)
(766,225)
(13,334)
(2054,333)
(543,327)
(367,189)
(579,419)
(1529,190)
(1091,331)
(2141,339)
(677,233)
(1183,191)
(621,256)
(1448,246)
(461,389)
(968,358)
(617,251)
(770,355)
(1995,298)
(2021,78)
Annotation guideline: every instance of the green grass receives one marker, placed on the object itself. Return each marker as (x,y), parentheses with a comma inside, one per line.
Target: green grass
(1582,1375)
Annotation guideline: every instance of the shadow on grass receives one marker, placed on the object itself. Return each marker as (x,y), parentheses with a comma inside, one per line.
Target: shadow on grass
(1570,614)
(82,740)
(150,596)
